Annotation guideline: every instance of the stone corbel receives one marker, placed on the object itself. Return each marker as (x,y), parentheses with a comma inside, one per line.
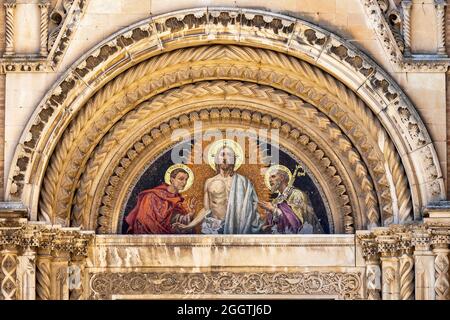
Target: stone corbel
(10,7)
(440,23)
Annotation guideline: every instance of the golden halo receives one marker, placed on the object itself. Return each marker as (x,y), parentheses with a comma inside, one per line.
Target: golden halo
(216,145)
(190,180)
(275,168)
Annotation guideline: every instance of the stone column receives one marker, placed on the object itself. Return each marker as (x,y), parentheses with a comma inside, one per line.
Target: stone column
(10,6)
(406,268)
(8,256)
(440,23)
(440,242)
(43,6)
(406,28)
(424,264)
(26,274)
(43,274)
(390,277)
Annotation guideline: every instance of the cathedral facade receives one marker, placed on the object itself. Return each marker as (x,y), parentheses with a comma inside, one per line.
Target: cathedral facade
(216,149)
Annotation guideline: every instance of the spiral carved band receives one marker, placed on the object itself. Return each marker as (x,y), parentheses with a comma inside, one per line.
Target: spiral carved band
(68,161)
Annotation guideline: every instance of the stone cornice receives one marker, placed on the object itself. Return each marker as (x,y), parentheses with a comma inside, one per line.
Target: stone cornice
(389,38)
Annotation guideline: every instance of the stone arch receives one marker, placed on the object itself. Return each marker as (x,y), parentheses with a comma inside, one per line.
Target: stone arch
(339,168)
(258,29)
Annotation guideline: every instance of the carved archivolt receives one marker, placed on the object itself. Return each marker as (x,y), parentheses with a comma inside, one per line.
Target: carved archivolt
(131,156)
(48,132)
(309,83)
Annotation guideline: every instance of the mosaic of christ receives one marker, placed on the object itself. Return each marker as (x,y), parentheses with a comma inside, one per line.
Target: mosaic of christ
(226,194)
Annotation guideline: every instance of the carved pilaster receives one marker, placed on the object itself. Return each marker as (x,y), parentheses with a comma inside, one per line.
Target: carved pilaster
(77,267)
(8,258)
(43,6)
(390,277)
(424,264)
(406,27)
(26,274)
(372,260)
(440,23)
(10,7)
(440,241)
(59,275)
(63,246)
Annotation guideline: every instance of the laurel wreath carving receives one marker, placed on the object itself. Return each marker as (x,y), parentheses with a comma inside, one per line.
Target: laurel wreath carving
(193,64)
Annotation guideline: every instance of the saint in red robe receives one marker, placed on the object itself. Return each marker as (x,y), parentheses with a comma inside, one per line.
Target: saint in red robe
(155,211)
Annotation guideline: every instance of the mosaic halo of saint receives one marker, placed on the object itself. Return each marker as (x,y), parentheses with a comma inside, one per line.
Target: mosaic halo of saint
(223,196)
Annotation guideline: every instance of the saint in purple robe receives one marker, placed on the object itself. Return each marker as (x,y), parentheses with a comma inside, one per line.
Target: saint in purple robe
(285,219)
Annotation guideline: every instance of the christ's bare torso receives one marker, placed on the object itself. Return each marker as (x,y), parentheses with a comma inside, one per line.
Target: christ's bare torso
(217,191)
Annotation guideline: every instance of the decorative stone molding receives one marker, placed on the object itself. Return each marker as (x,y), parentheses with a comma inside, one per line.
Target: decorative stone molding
(25,252)
(384,16)
(335,284)
(309,42)
(53,43)
(386,22)
(129,159)
(424,277)
(350,121)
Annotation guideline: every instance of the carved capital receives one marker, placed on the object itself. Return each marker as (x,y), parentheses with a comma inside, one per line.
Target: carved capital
(369,247)
(388,243)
